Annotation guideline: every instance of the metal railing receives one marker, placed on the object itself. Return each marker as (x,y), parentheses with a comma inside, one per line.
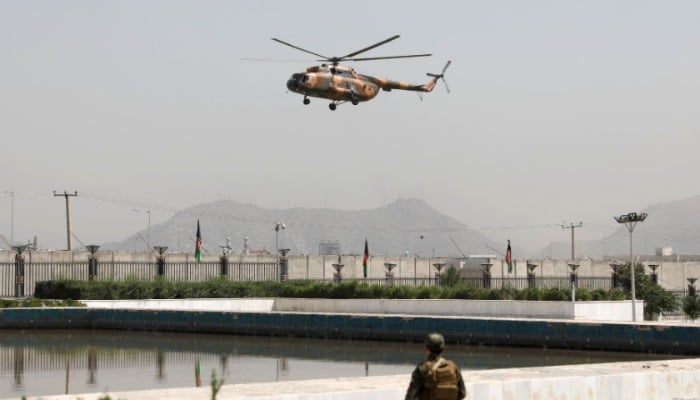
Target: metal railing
(557,282)
(34,272)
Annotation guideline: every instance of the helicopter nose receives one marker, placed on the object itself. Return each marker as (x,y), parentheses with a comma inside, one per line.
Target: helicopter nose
(293,82)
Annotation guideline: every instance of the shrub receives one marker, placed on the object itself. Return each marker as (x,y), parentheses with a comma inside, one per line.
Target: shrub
(451,277)
(555,295)
(691,307)
(218,287)
(34,302)
(583,295)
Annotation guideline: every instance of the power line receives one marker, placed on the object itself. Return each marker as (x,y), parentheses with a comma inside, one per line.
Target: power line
(573,227)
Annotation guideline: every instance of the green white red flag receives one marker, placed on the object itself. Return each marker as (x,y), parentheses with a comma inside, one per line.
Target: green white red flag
(509,258)
(365,259)
(198,244)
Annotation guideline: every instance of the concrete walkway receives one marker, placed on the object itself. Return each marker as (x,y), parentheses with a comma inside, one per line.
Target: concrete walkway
(658,380)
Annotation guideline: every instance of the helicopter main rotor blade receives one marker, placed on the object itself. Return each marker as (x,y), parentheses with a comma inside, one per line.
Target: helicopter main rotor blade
(300,49)
(387,57)
(272,60)
(368,48)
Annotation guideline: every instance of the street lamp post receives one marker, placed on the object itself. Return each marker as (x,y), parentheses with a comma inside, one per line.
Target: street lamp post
(630,221)
(92,261)
(278,225)
(574,276)
(160,262)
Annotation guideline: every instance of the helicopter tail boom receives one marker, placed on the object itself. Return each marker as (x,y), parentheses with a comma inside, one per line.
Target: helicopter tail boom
(388,85)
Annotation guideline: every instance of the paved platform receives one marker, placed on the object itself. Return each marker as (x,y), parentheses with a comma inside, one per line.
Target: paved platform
(657,380)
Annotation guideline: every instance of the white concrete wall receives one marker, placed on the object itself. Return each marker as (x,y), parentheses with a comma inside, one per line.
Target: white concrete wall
(600,311)
(608,310)
(672,274)
(231,305)
(657,380)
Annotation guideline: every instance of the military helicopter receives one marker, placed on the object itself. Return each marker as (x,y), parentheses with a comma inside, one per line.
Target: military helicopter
(341,84)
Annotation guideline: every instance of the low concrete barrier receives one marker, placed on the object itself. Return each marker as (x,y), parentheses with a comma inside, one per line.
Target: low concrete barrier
(658,380)
(580,310)
(588,310)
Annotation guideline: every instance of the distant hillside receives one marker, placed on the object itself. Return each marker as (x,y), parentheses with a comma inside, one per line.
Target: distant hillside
(675,224)
(403,226)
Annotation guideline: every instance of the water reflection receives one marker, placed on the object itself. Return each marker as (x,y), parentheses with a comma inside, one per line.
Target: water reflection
(42,362)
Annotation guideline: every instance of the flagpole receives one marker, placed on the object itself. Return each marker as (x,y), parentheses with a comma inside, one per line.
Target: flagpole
(279,225)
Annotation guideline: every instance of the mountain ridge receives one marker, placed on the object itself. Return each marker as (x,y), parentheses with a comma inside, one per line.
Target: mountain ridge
(674,224)
(403,227)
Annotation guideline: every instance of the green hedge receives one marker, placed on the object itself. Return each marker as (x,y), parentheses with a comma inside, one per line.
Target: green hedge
(161,288)
(4,303)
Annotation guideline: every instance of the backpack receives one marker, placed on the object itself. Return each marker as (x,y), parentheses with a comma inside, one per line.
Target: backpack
(441,380)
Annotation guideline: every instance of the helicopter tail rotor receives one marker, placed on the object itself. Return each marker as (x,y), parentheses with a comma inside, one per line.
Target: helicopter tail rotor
(442,75)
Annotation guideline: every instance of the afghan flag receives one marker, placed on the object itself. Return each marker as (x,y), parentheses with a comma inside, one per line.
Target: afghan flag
(198,244)
(364,259)
(509,258)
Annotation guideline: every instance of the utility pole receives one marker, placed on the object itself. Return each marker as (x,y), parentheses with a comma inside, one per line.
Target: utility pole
(67,196)
(573,227)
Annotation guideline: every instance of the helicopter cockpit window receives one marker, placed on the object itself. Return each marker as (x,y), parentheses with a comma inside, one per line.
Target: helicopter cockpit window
(305,78)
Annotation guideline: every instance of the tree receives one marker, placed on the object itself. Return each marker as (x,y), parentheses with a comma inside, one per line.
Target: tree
(691,307)
(451,277)
(656,299)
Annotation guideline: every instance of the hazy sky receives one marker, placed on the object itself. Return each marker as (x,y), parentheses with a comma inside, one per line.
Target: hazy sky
(559,111)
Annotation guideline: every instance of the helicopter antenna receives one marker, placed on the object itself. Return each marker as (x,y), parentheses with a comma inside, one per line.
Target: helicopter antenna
(442,75)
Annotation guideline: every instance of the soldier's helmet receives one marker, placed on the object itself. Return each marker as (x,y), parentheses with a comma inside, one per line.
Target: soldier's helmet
(435,342)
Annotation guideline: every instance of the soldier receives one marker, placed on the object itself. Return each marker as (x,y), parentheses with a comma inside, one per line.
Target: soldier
(436,378)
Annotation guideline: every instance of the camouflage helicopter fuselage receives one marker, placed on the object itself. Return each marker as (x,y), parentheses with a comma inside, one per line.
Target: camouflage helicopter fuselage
(340,84)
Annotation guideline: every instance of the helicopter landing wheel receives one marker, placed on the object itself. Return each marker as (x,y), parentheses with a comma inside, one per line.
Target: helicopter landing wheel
(306,101)
(355,102)
(332,106)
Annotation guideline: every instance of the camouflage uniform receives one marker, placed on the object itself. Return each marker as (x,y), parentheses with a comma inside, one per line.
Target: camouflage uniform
(416,389)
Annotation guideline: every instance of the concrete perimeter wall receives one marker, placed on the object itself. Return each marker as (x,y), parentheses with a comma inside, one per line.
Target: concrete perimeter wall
(658,380)
(671,274)
(593,335)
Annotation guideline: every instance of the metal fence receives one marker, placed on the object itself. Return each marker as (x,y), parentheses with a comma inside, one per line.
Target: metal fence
(590,283)
(34,272)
